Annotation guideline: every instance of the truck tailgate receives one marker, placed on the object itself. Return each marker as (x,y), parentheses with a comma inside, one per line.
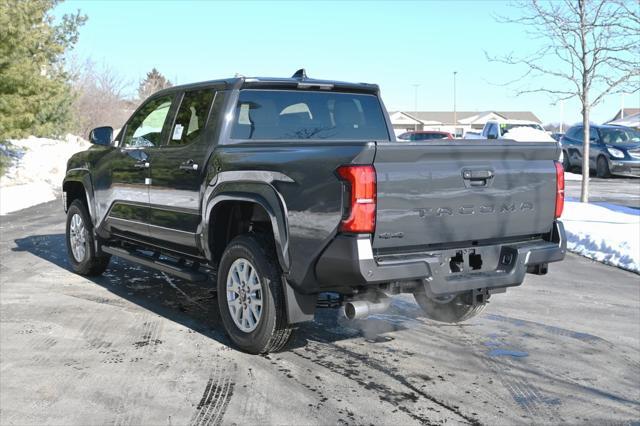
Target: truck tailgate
(433,194)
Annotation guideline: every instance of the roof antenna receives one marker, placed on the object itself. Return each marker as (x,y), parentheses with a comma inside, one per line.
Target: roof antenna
(301,74)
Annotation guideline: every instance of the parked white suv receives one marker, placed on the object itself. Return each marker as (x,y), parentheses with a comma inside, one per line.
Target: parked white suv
(494,129)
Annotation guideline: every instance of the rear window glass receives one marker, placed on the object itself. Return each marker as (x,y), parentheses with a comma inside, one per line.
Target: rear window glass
(290,114)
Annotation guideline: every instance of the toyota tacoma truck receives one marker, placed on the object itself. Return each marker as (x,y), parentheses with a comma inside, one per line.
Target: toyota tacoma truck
(285,189)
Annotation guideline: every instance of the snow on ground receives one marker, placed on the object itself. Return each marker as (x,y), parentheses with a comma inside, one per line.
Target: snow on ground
(572,176)
(605,232)
(35,177)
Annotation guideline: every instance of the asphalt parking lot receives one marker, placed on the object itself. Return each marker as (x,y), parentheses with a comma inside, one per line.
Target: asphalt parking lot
(624,191)
(137,347)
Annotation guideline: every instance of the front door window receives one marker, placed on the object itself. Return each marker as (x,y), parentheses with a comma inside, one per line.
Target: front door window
(145,127)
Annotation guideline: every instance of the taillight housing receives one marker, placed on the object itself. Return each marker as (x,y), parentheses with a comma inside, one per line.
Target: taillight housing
(361,181)
(559,189)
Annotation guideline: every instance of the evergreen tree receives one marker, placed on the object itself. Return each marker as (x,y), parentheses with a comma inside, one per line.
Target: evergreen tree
(35,94)
(153,82)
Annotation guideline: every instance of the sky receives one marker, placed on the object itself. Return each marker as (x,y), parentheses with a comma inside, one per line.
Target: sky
(396,45)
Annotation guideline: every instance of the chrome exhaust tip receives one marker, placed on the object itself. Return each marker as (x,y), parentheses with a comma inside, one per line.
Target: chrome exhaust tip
(357,309)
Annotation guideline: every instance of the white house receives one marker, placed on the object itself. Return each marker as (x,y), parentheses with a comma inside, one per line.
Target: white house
(465,121)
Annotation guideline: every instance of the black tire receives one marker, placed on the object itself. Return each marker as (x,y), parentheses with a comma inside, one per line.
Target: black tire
(272,331)
(566,164)
(602,168)
(90,264)
(450,311)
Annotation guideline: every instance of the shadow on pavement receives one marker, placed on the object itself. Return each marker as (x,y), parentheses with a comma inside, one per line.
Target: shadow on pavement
(194,305)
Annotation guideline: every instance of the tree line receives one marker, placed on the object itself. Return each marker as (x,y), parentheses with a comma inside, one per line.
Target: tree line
(43,92)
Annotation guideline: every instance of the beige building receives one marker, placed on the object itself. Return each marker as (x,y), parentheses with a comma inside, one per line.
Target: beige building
(465,121)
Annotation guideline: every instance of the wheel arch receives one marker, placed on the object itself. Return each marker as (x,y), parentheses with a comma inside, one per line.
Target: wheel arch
(77,185)
(230,211)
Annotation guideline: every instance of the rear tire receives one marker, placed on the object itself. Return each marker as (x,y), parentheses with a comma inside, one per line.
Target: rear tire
(81,244)
(450,311)
(252,306)
(602,168)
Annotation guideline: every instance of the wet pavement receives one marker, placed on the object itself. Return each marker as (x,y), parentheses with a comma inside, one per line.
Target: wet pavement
(139,347)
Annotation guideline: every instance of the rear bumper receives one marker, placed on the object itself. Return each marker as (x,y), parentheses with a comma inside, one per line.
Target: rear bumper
(349,262)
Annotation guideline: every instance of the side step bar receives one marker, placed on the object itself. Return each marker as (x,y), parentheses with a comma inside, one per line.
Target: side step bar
(188,274)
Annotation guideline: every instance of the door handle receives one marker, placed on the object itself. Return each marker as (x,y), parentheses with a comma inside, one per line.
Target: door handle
(477,178)
(477,174)
(189,166)
(141,165)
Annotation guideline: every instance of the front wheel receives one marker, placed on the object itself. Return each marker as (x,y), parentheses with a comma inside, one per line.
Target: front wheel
(80,242)
(251,295)
(566,164)
(449,310)
(602,168)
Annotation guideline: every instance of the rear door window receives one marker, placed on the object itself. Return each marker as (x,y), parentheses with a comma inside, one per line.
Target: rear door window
(296,114)
(191,117)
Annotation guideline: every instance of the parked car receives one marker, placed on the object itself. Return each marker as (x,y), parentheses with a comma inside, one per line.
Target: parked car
(494,129)
(286,188)
(613,150)
(424,135)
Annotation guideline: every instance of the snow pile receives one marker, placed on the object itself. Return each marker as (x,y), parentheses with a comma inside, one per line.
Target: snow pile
(527,134)
(604,232)
(572,176)
(37,171)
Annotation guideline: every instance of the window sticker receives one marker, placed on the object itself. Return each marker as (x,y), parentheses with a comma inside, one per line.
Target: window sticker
(177,132)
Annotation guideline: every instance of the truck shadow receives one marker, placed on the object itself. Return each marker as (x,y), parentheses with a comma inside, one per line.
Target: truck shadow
(194,305)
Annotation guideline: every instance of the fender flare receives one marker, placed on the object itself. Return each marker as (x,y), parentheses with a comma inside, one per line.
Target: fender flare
(258,193)
(82,176)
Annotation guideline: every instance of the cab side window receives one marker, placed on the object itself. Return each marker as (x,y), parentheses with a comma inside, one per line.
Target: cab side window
(192,117)
(145,127)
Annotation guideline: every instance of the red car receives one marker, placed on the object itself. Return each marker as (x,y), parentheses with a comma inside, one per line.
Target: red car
(424,135)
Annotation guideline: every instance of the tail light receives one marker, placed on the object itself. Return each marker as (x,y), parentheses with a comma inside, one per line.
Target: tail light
(362,199)
(559,189)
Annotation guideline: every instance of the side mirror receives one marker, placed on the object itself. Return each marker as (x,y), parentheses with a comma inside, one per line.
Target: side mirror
(101,136)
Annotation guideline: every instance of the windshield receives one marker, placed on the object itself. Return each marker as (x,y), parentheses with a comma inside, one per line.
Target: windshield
(296,114)
(621,135)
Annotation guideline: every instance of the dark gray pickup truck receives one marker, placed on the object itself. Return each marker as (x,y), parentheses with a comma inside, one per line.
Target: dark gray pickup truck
(291,188)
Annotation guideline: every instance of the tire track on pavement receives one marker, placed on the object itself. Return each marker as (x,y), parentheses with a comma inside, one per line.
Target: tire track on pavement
(215,399)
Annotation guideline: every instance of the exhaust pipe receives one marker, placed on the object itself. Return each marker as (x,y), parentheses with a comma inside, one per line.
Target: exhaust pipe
(361,308)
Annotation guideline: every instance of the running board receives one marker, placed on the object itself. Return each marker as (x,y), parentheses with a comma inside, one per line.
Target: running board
(188,274)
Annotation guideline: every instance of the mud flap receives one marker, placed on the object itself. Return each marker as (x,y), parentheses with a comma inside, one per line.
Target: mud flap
(300,307)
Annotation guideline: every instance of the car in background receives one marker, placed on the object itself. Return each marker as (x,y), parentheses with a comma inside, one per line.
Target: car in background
(613,150)
(494,129)
(424,135)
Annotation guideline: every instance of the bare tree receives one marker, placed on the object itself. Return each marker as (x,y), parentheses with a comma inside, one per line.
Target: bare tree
(590,49)
(100,98)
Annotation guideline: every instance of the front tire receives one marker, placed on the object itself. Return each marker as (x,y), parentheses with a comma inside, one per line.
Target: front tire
(451,310)
(80,242)
(566,164)
(602,168)
(251,295)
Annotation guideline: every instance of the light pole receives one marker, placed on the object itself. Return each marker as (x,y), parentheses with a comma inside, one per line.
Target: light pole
(455,113)
(415,106)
